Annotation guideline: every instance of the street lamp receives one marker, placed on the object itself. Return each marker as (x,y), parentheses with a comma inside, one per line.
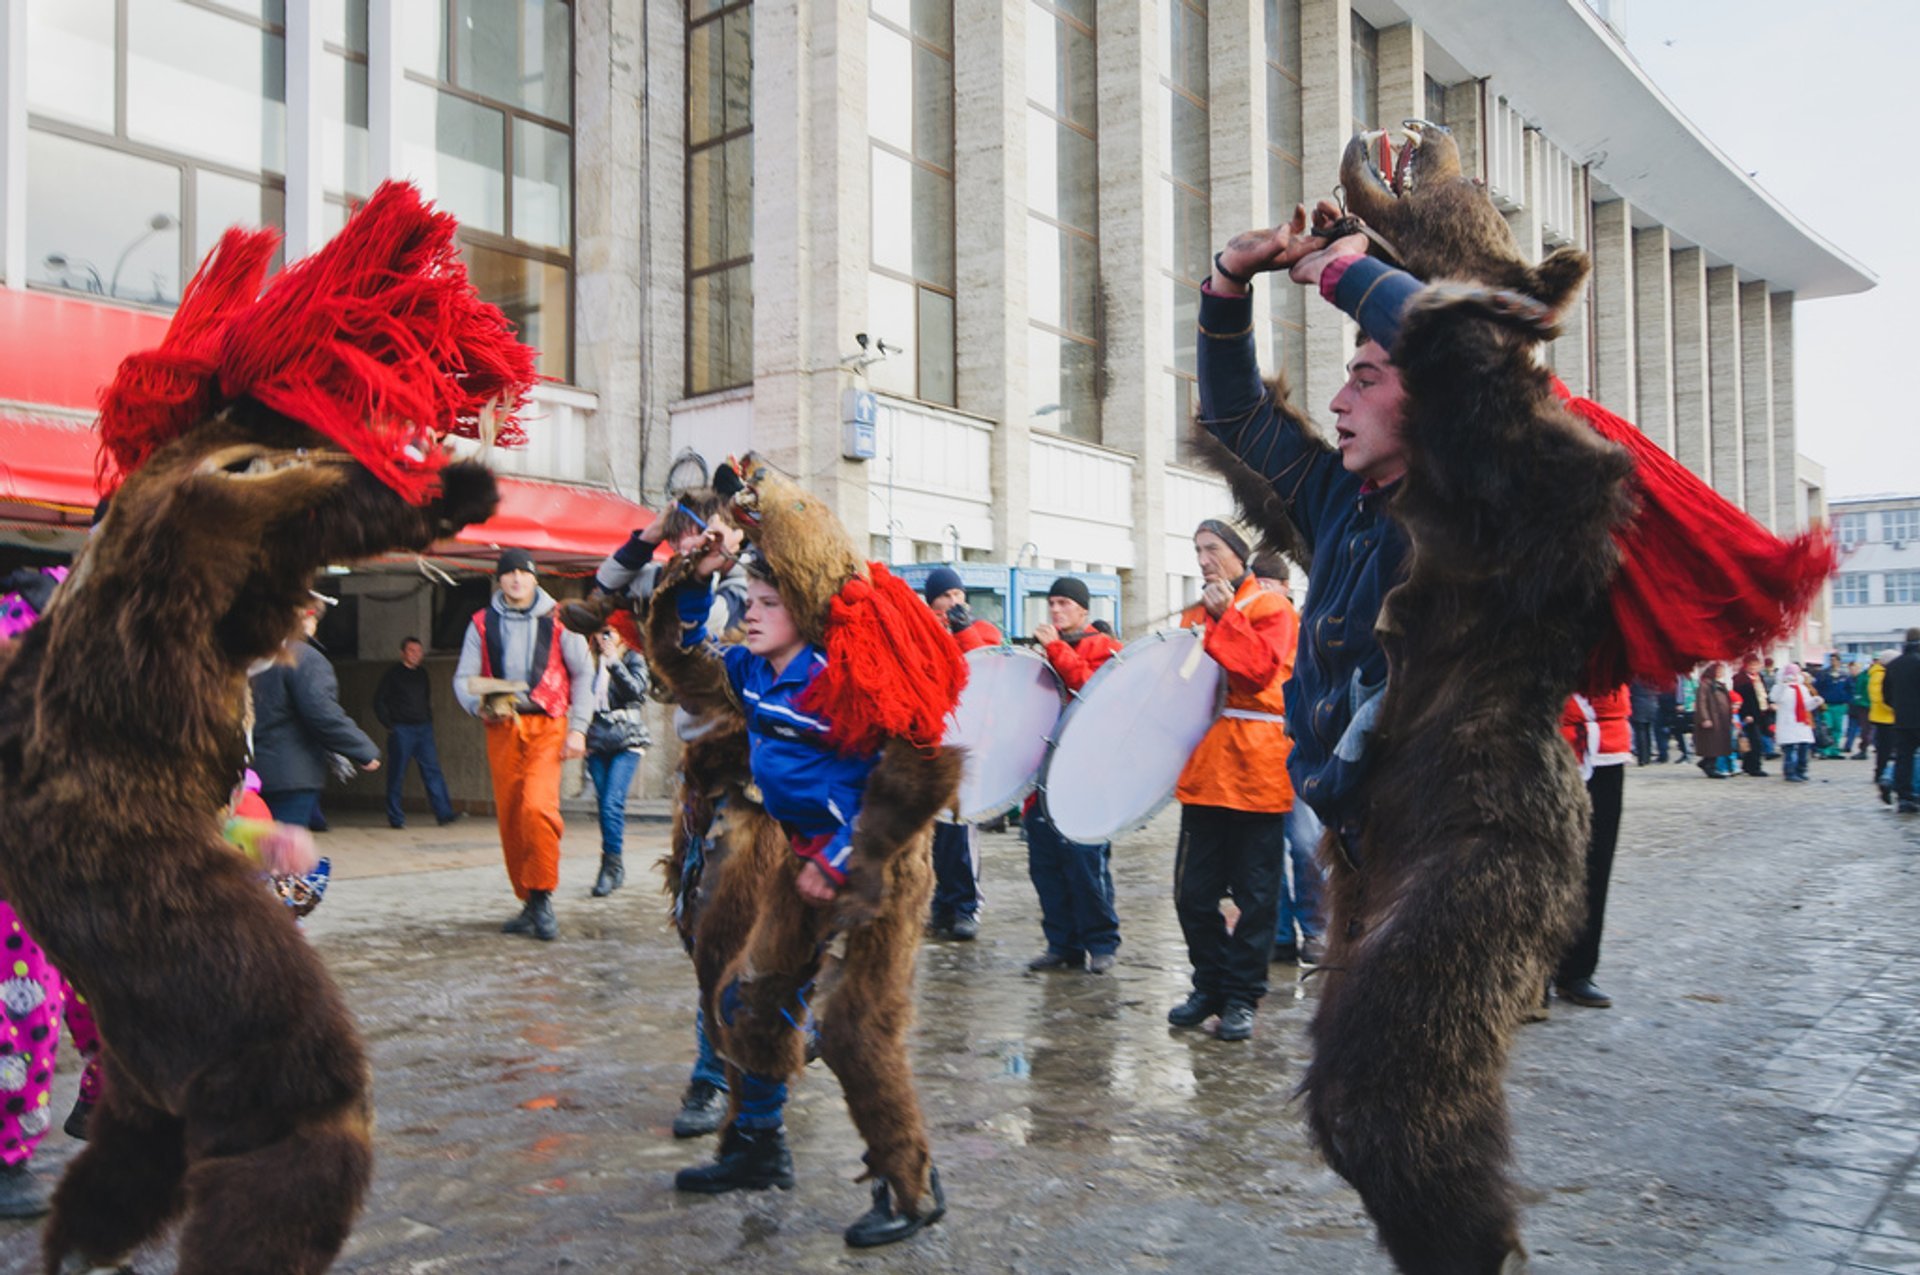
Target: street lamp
(155,224)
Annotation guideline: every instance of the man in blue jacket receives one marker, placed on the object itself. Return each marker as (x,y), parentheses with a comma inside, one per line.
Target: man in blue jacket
(1335,495)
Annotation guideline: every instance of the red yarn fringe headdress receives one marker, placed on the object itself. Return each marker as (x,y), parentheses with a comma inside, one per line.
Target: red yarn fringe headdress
(1699,579)
(377,341)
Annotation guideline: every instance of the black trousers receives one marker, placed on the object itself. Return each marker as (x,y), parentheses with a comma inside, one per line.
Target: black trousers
(1237,854)
(1904,740)
(1606,789)
(1756,732)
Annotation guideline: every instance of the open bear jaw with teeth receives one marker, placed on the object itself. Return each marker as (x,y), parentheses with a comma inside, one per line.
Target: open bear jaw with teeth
(1427,154)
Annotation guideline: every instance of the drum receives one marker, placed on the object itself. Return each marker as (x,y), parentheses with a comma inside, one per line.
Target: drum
(1123,743)
(1004,720)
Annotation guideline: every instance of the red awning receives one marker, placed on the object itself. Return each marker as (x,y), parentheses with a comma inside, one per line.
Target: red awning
(47,475)
(62,350)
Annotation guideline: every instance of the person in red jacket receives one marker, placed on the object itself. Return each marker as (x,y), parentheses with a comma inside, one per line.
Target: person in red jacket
(1074,880)
(1234,794)
(1602,740)
(956,844)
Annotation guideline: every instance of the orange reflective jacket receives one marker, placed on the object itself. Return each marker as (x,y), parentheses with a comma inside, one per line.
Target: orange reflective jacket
(1241,764)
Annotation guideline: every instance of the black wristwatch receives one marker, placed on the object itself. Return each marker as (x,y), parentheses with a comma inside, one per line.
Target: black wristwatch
(1244,281)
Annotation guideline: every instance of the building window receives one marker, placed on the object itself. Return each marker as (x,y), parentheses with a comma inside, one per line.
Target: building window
(1286,187)
(1366,74)
(1063,246)
(910,289)
(1436,106)
(1850,589)
(1903,586)
(153,125)
(1188,182)
(719,195)
(1900,526)
(486,130)
(343,174)
(1850,529)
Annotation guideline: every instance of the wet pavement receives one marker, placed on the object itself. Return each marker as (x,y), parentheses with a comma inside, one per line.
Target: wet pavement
(1751,1104)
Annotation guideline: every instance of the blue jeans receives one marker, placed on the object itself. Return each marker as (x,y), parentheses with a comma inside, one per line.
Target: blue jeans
(956,872)
(405,745)
(1793,763)
(706,1063)
(1301,885)
(612,776)
(1075,885)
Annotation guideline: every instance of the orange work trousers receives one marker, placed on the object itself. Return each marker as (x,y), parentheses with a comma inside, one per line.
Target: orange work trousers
(524,756)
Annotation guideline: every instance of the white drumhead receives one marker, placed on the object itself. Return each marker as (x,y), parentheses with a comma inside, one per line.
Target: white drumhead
(1004,720)
(1124,742)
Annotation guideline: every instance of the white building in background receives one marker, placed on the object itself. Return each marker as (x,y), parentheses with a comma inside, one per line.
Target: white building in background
(1876,593)
(697,210)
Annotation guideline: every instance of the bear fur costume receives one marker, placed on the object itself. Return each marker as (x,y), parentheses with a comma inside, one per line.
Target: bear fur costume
(236,1089)
(1465,884)
(754,934)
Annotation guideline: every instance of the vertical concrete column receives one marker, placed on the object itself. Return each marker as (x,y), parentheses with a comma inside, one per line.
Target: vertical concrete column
(1616,382)
(13,142)
(1785,443)
(304,204)
(1756,407)
(661,269)
(611,217)
(1403,74)
(1690,362)
(1237,134)
(1653,335)
(1326,66)
(384,78)
(1466,117)
(1570,354)
(837,249)
(1139,403)
(990,165)
(1723,383)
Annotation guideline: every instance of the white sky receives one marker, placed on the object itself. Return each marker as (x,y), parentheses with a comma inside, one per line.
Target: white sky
(1818,102)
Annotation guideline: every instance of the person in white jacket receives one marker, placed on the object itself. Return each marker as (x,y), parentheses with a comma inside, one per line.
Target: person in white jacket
(1794,705)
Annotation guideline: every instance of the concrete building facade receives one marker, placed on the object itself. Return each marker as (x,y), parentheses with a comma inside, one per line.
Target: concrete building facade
(938,259)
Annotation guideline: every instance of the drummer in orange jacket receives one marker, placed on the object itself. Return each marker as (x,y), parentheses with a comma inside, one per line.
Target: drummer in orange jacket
(1074,880)
(1234,794)
(956,845)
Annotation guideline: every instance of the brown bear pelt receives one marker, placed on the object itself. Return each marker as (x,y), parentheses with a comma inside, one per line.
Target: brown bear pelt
(761,954)
(1439,223)
(236,1090)
(1466,882)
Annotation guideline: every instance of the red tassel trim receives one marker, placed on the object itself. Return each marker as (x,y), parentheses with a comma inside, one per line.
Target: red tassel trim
(893,670)
(377,341)
(1699,579)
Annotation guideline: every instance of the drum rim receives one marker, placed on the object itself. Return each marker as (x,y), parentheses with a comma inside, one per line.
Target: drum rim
(1060,727)
(1032,781)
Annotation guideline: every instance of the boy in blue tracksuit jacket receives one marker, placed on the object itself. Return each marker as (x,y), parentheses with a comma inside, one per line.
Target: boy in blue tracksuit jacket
(812,790)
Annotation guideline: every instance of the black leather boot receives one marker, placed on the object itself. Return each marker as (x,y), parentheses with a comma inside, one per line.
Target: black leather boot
(522,923)
(750,1160)
(882,1225)
(76,1125)
(1196,1009)
(613,875)
(546,926)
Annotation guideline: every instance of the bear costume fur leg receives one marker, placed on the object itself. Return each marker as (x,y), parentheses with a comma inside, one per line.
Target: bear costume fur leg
(237,1088)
